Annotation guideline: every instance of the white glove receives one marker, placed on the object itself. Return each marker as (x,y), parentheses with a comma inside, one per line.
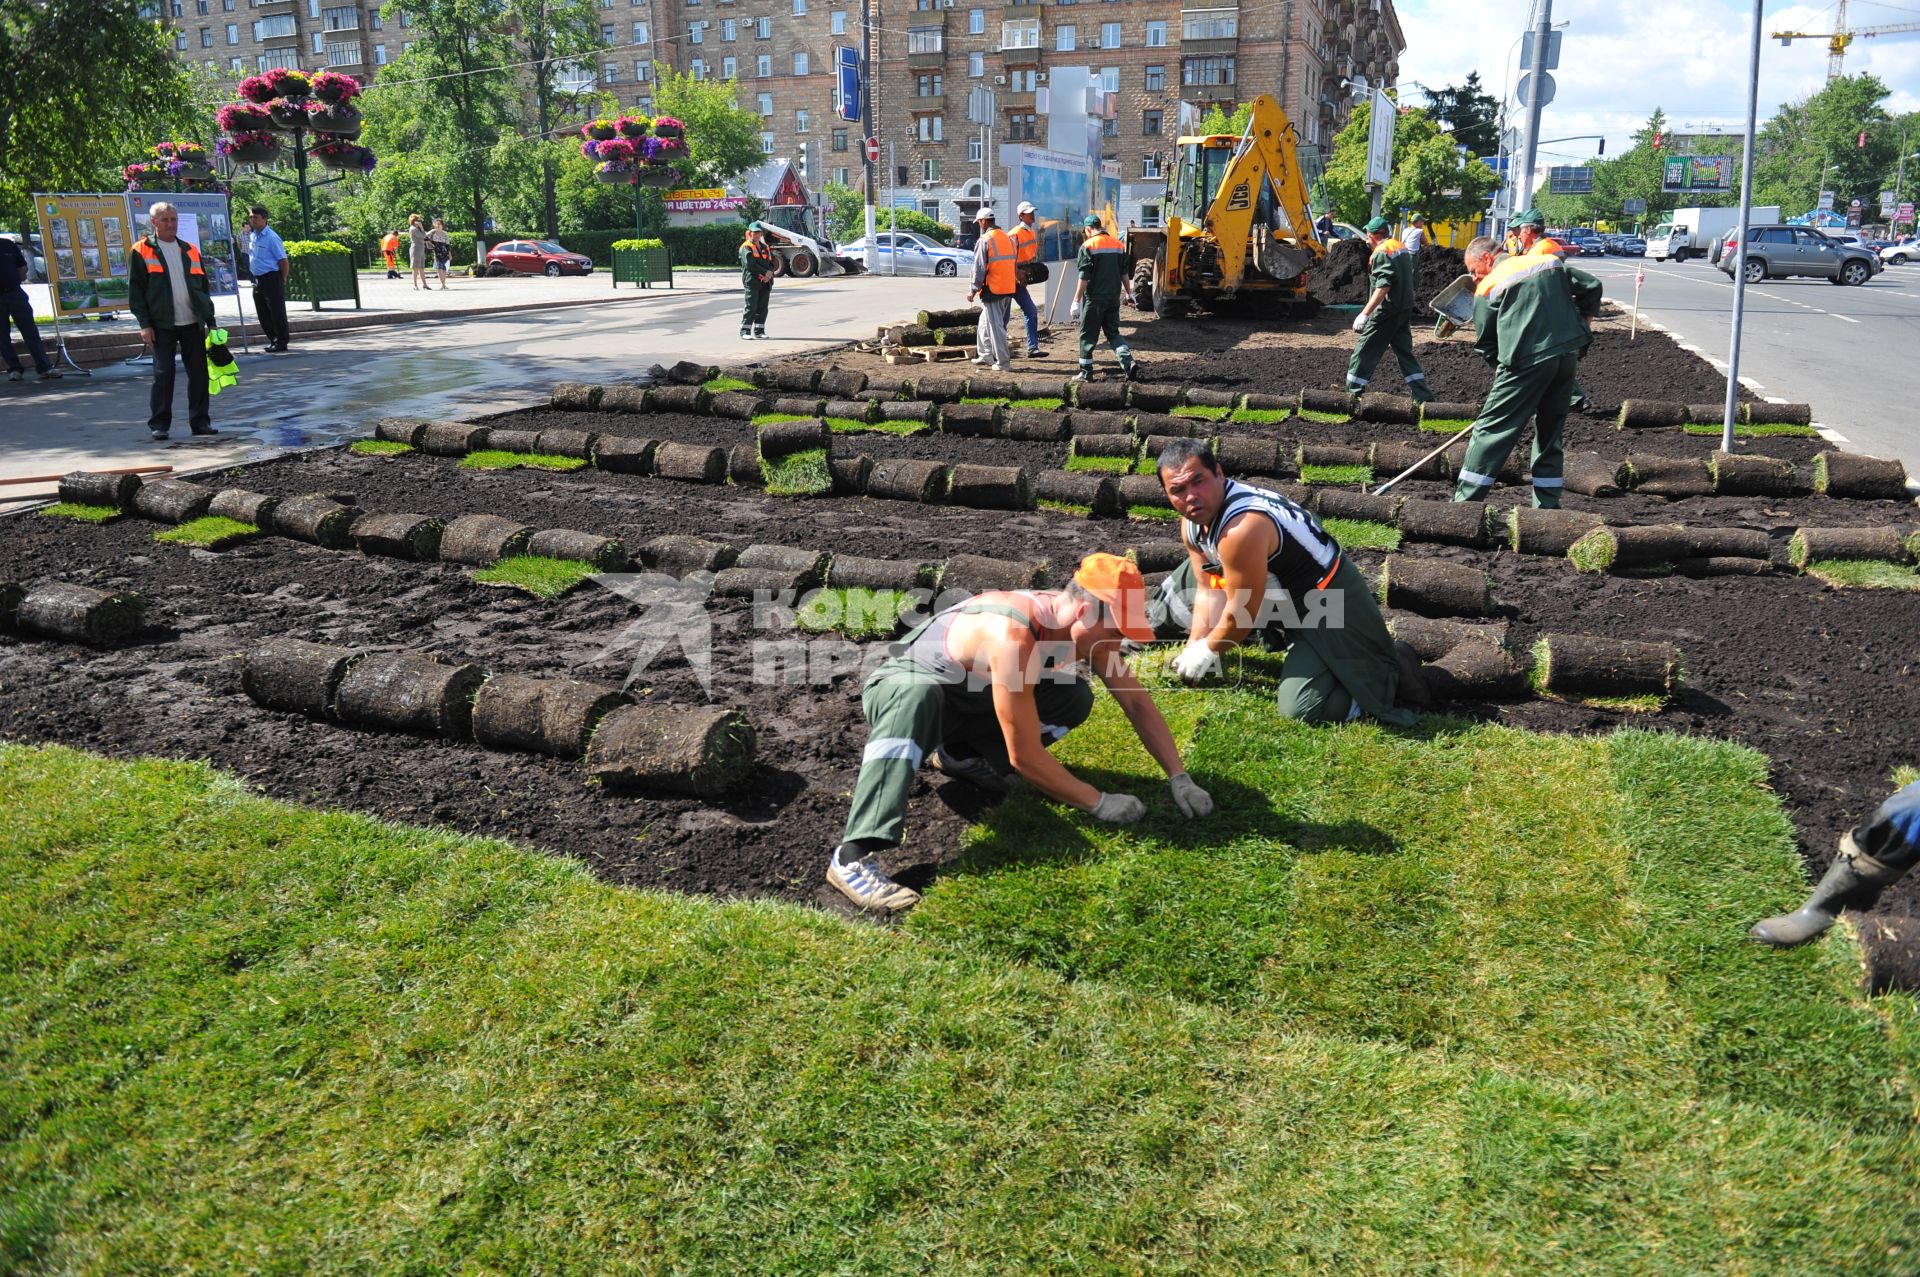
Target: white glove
(1073,311)
(1195,662)
(1188,797)
(1360,321)
(1118,809)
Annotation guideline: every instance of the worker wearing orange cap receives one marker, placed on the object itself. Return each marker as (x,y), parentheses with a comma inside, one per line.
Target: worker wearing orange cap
(984,688)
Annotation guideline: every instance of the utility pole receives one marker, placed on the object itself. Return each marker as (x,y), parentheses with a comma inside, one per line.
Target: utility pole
(1542,33)
(867,86)
(1743,224)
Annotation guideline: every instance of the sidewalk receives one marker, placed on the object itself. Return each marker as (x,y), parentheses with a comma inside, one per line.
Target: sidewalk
(330,391)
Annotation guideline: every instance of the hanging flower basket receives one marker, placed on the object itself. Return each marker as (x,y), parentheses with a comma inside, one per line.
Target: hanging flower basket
(335,87)
(289,83)
(193,172)
(255,146)
(338,119)
(243,117)
(614,174)
(258,89)
(590,149)
(667,126)
(182,152)
(618,150)
(601,129)
(288,114)
(344,156)
(633,126)
(664,176)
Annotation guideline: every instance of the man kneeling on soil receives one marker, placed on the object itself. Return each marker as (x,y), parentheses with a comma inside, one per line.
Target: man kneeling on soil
(1259,564)
(984,688)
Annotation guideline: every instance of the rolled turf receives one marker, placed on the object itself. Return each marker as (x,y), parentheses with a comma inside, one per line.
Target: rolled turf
(405,430)
(991,385)
(78,613)
(1548,532)
(791,379)
(1334,503)
(1591,475)
(680,749)
(1668,476)
(940,387)
(1752,476)
(960,335)
(859,410)
(1451,417)
(452,438)
(1849,474)
(852,571)
(1727,543)
(1104,396)
(1247,454)
(562,443)
(1325,405)
(850,474)
(948,318)
(1761,413)
(1589,666)
(743,466)
(920,410)
(689,399)
(244,507)
(1435,588)
(784,438)
(398,536)
(679,555)
(903,479)
(976,419)
(86,487)
(737,405)
(1268,403)
(482,540)
(317,519)
(1387,409)
(1031,425)
(842,383)
(1332,454)
(1475,671)
(1445,522)
(1090,421)
(1650,414)
(606,554)
(1158,556)
(521,441)
(1642,546)
(295,676)
(1084,445)
(1153,398)
(990,487)
(626,399)
(623,454)
(1711,567)
(687,373)
(404,692)
(1432,639)
(1391,459)
(977,574)
(1143,490)
(1097,494)
(690,463)
(806,565)
(171,500)
(541,716)
(575,396)
(1811,545)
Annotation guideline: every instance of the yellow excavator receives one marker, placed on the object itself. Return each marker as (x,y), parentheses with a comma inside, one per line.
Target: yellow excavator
(1237,225)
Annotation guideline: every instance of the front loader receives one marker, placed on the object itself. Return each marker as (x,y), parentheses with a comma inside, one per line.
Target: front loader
(1237,226)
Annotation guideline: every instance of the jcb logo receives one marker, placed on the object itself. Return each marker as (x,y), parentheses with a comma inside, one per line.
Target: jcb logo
(1242,198)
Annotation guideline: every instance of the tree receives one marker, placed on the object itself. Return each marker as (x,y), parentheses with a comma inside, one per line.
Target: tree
(723,138)
(1430,176)
(85,86)
(556,34)
(1813,145)
(846,217)
(1218,121)
(1472,111)
(459,76)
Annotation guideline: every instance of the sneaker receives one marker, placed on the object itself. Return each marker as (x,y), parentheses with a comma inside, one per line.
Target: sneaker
(759,334)
(977,772)
(205,430)
(1083,375)
(159,436)
(16,374)
(1003,367)
(862,882)
(1131,372)
(745,335)
(1035,353)
(983,359)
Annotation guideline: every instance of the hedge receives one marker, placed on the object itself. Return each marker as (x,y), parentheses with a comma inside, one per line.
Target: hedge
(691,245)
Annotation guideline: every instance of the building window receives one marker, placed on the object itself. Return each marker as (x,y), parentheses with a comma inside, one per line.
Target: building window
(1156,34)
(610,74)
(233,33)
(238,66)
(1023,127)
(1150,213)
(1023,33)
(606,32)
(374,20)
(929,170)
(926,40)
(729,30)
(973,149)
(763,65)
(278,26)
(344,55)
(379,55)
(206,37)
(340,19)
(837,22)
(799,8)
(640,35)
(319,42)
(1025,81)
(840,176)
(200,6)
(1156,79)
(766,144)
(976,65)
(766,105)
(1065,38)
(800,121)
(179,42)
(1150,166)
(1207,71)
(697,33)
(1109,35)
(1110,79)
(642,70)
(729,68)
(279,58)
(1150,123)
(933,128)
(976,22)
(928,85)
(1209,24)
(839,139)
(800,62)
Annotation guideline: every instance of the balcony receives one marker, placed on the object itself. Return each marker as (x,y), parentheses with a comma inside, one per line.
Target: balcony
(1210,93)
(1015,101)
(929,102)
(1022,55)
(1015,12)
(927,40)
(345,55)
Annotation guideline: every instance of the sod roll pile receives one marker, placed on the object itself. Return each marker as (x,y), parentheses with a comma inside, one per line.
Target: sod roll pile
(606,554)
(948,318)
(690,463)
(296,677)
(243,507)
(171,500)
(624,454)
(1848,474)
(86,487)
(1445,522)
(541,716)
(1812,545)
(904,479)
(402,692)
(317,519)
(575,396)
(453,438)
(398,536)
(1668,476)
(679,555)
(1435,588)
(1584,665)
(1752,476)
(990,487)
(676,749)
(1097,493)
(78,613)
(1651,414)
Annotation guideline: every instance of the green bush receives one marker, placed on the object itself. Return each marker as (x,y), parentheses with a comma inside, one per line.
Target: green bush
(314,247)
(637,245)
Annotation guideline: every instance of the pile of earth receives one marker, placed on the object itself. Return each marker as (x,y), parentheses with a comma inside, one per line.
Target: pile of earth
(1342,279)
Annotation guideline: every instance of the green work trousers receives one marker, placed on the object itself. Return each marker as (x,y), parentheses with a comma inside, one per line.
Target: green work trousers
(1543,394)
(910,713)
(1333,672)
(1380,334)
(753,309)
(1097,320)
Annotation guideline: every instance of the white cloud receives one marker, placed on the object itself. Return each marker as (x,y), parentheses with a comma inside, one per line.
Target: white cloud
(1618,63)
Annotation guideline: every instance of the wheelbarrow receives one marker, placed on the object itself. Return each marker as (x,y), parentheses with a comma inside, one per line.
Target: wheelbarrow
(1454,306)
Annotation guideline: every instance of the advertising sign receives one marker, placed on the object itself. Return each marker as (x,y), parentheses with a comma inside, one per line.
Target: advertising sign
(86,239)
(1380,141)
(1058,186)
(1570,179)
(1698,173)
(702,200)
(206,222)
(1904,213)
(1826,201)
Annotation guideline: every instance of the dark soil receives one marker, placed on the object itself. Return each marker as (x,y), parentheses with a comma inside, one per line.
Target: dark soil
(1341,280)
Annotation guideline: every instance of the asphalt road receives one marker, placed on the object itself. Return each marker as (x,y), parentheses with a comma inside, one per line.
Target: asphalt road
(1847,351)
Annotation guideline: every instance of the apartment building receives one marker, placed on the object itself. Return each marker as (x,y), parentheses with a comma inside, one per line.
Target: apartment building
(235,38)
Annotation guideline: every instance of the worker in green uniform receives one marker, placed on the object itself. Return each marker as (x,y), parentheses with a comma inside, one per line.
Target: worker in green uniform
(1386,321)
(984,689)
(1527,233)
(1259,566)
(1530,316)
(1096,298)
(758,265)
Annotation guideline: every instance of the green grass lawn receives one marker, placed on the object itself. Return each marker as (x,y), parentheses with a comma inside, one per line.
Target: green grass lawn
(1200,412)
(211,532)
(1345,475)
(1100,465)
(1743,430)
(379,448)
(80,512)
(1065,507)
(799,474)
(847,425)
(716,385)
(1864,574)
(1363,534)
(1157,513)
(1460,999)
(1260,416)
(857,612)
(495,459)
(538,575)
(1444,425)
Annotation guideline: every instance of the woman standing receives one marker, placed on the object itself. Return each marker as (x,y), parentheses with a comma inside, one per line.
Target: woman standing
(417,249)
(442,249)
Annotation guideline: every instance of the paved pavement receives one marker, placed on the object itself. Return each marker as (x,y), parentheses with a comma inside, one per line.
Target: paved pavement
(335,389)
(1846,351)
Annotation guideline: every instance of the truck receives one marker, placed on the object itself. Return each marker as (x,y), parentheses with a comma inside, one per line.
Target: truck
(1690,232)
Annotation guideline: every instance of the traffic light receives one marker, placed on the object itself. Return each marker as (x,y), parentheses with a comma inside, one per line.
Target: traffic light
(1656,140)
(1603,146)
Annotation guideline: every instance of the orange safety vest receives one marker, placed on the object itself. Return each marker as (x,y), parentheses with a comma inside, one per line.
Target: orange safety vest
(1001,255)
(1390,246)
(761,255)
(1101,242)
(391,244)
(1026,242)
(151,256)
(1510,270)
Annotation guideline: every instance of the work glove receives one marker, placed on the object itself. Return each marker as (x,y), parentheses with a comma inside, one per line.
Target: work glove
(1073,311)
(1195,662)
(1360,321)
(1118,809)
(1192,800)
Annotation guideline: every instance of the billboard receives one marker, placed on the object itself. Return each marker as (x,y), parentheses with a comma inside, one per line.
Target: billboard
(86,238)
(206,221)
(1059,187)
(1570,179)
(1380,141)
(1698,174)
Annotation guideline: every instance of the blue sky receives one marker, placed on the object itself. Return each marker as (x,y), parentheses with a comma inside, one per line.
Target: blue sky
(1619,61)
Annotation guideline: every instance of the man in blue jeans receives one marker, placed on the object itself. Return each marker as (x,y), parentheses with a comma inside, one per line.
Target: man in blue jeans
(16,310)
(1026,249)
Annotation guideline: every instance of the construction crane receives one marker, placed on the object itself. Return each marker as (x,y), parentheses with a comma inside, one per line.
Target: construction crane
(1840,37)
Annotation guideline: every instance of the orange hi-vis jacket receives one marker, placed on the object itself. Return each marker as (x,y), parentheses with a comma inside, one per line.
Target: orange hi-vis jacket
(1000,256)
(1026,243)
(148,290)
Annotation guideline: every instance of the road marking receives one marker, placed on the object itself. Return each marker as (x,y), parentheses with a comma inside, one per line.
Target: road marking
(1831,436)
(1850,319)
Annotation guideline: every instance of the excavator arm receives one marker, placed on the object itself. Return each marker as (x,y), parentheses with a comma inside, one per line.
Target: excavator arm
(1264,162)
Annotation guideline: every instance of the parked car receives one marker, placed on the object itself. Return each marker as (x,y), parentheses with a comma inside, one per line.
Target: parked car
(36,264)
(1778,252)
(1897,254)
(1588,241)
(536,257)
(911,253)
(1628,246)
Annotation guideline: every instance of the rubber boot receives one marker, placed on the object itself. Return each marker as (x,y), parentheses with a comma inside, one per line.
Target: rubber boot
(1853,881)
(1413,689)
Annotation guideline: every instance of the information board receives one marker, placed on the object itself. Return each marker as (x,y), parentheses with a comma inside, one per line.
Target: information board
(85,238)
(212,232)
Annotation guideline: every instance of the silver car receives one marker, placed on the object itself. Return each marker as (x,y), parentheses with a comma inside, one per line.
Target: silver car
(910,253)
(1778,252)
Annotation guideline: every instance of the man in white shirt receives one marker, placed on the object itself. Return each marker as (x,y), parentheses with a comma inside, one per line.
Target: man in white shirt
(167,289)
(1416,237)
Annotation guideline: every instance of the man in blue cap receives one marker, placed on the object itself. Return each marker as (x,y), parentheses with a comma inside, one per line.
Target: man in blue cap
(1386,321)
(758,265)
